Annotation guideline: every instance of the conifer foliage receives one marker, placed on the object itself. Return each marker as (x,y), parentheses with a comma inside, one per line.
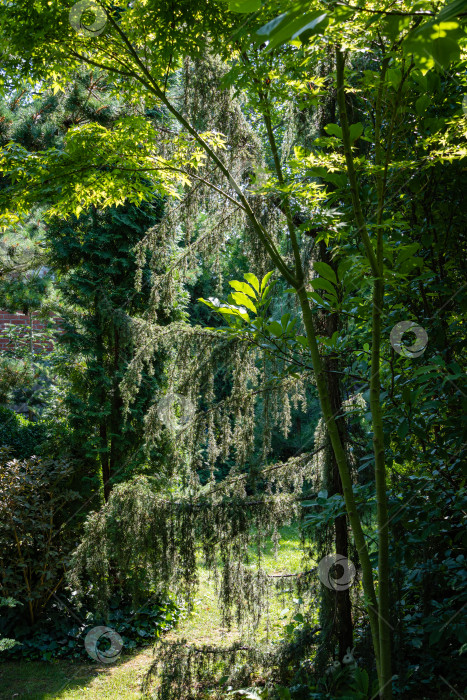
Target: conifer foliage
(323,142)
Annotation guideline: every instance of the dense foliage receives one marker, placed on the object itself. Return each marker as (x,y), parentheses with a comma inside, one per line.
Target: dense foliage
(238,204)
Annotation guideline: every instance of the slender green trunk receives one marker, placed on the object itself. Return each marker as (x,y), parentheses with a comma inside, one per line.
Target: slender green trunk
(340,455)
(344,472)
(377,419)
(322,384)
(376,262)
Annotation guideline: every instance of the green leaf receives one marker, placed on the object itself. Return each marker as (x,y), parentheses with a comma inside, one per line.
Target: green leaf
(302,340)
(267,29)
(266,292)
(445,51)
(324,270)
(435,636)
(292,25)
(243,300)
(276,329)
(244,6)
(333,130)
(243,287)
(265,280)
(208,303)
(356,130)
(316,298)
(232,311)
(394,76)
(306,31)
(253,280)
(403,429)
(323,284)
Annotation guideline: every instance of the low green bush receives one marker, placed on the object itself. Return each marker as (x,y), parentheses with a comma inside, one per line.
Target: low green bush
(62,629)
(22,436)
(34,543)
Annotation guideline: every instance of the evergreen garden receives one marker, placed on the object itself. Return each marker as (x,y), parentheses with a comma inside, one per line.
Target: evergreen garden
(232,424)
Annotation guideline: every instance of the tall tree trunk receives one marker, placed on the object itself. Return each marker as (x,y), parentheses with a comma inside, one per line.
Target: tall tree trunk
(105,462)
(344,628)
(102,399)
(116,418)
(343,616)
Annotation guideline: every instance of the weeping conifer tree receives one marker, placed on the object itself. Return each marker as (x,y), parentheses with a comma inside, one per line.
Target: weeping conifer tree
(220,515)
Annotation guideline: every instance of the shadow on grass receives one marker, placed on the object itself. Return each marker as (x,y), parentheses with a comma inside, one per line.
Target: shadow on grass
(40,680)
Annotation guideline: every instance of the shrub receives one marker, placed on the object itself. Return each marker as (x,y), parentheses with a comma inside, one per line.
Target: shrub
(34,547)
(14,374)
(20,435)
(62,629)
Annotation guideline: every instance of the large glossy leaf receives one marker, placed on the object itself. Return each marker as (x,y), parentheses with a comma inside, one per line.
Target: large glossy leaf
(323,284)
(292,25)
(243,287)
(253,280)
(243,300)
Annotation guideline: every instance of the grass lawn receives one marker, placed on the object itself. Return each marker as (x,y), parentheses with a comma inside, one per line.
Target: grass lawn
(35,680)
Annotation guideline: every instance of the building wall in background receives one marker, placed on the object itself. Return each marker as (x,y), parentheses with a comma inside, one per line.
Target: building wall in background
(22,322)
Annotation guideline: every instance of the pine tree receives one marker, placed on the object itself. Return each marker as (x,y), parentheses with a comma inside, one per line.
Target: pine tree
(92,263)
